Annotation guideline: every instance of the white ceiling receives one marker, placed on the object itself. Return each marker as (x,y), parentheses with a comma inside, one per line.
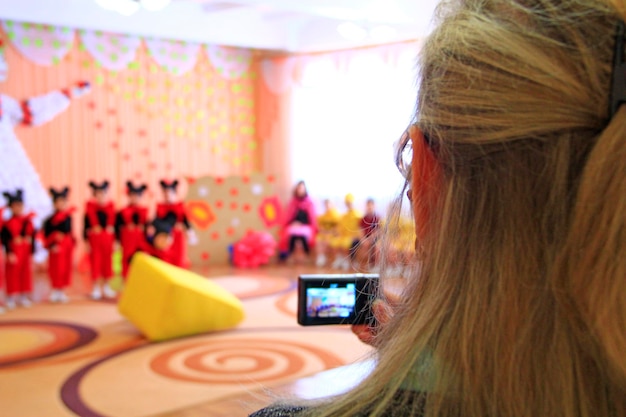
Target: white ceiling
(294,26)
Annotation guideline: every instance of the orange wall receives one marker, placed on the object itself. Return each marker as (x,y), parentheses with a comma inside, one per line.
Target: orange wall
(141,123)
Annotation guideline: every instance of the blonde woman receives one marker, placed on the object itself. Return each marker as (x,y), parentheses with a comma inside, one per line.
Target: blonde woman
(518,186)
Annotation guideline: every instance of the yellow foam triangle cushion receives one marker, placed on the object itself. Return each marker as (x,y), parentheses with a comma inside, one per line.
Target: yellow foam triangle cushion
(165,302)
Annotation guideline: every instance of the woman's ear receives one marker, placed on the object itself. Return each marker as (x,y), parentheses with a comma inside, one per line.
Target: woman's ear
(425,182)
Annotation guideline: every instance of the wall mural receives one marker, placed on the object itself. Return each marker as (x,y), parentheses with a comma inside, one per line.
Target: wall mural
(224,210)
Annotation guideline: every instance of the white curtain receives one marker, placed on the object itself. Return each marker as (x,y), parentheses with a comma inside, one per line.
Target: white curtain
(348,111)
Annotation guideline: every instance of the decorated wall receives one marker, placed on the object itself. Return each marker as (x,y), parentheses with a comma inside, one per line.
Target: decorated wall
(157,109)
(224,210)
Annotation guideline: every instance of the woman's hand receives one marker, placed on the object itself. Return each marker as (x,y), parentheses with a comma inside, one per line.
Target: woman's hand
(383,311)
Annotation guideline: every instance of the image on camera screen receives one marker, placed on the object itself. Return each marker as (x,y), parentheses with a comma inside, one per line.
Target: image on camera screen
(335,301)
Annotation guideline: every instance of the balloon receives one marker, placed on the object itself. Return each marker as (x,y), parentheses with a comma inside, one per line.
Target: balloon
(254,249)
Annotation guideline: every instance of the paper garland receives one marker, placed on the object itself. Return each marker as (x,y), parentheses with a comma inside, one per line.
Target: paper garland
(231,63)
(47,45)
(42,44)
(175,57)
(113,51)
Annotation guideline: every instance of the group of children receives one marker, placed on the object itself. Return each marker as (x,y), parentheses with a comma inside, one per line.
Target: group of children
(341,239)
(165,236)
(348,238)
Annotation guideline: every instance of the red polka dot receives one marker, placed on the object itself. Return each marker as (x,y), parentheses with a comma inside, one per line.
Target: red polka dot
(245,179)
(270,178)
(230,231)
(145,151)
(152,165)
(219,204)
(119,130)
(99,125)
(215,235)
(234,191)
(91,105)
(233,205)
(163,144)
(138,174)
(142,132)
(191,180)
(114,145)
(126,156)
(205,256)
(246,207)
(111,112)
(219,180)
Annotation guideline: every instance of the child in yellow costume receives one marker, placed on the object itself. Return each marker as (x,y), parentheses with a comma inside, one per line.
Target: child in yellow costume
(326,231)
(348,232)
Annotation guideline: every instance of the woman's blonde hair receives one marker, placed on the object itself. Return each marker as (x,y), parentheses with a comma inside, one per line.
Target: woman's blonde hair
(519,308)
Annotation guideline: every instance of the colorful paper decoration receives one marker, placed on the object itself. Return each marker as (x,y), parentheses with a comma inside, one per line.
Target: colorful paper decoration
(231,63)
(42,44)
(270,211)
(200,213)
(278,73)
(113,51)
(175,57)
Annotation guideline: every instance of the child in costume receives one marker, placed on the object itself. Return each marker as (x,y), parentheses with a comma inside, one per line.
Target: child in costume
(366,244)
(18,239)
(1,257)
(60,242)
(301,220)
(159,241)
(130,224)
(327,228)
(99,233)
(348,231)
(172,212)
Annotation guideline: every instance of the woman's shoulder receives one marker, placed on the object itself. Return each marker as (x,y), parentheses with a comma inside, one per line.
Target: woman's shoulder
(280,410)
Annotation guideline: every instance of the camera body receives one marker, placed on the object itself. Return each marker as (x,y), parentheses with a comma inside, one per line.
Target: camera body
(336,298)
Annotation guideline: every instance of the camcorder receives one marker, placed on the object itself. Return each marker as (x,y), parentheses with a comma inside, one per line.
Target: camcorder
(336,299)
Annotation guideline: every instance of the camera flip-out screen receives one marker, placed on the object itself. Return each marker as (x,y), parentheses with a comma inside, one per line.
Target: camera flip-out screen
(335,298)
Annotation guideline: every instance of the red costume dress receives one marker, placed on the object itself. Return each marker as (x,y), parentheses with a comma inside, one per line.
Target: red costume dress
(1,252)
(59,241)
(130,227)
(18,239)
(174,215)
(100,233)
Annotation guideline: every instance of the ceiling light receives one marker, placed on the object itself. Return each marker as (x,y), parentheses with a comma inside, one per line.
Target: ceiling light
(154,5)
(352,31)
(129,7)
